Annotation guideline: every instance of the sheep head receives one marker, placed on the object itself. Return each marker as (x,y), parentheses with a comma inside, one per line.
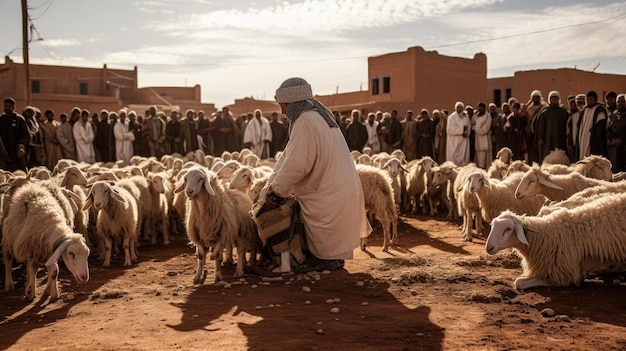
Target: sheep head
(157,182)
(505,155)
(242,178)
(595,167)
(476,180)
(393,166)
(427,163)
(507,231)
(228,169)
(194,181)
(531,183)
(100,193)
(75,253)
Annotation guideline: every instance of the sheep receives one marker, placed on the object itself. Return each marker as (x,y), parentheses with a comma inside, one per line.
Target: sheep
(364,160)
(516,166)
(217,218)
(378,197)
(495,196)
(505,155)
(467,203)
(252,160)
(139,187)
(355,154)
(32,208)
(594,166)
(118,218)
(244,177)
(395,170)
(554,187)
(445,175)
(255,189)
(561,248)
(160,208)
(367,151)
(416,183)
(556,156)
(584,196)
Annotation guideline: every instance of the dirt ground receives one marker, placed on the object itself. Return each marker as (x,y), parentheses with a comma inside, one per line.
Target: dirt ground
(432,292)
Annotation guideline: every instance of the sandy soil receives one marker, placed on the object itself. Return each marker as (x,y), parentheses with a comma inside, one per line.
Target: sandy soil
(432,292)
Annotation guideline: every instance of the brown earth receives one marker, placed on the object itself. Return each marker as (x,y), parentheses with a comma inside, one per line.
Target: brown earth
(432,292)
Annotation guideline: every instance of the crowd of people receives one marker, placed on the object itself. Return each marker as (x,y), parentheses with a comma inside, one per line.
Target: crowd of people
(581,126)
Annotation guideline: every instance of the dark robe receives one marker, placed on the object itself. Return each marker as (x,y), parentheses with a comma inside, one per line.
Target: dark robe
(13,132)
(616,138)
(501,137)
(279,137)
(516,139)
(356,136)
(425,132)
(223,133)
(551,129)
(173,136)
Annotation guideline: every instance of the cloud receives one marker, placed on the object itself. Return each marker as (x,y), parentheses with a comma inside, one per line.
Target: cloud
(62,42)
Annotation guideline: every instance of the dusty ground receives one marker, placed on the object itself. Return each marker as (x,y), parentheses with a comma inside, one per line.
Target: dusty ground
(433,292)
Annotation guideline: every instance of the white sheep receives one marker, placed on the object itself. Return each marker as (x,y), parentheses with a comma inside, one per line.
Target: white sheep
(505,155)
(553,187)
(561,248)
(117,218)
(159,213)
(583,197)
(445,176)
(496,196)
(33,208)
(378,198)
(364,160)
(217,218)
(467,203)
(396,172)
(497,170)
(416,183)
(594,166)
(244,177)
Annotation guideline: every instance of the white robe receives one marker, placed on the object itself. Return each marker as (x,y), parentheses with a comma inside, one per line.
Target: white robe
(457,146)
(372,136)
(482,129)
(123,142)
(317,168)
(84,136)
(257,133)
(586,125)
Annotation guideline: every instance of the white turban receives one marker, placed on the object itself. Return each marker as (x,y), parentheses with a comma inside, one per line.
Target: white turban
(459,103)
(536,93)
(554,93)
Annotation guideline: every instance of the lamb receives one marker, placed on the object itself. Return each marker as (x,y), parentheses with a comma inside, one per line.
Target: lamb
(217,218)
(244,177)
(416,183)
(505,155)
(495,197)
(139,187)
(378,197)
(33,208)
(467,203)
(554,187)
(118,218)
(159,212)
(561,248)
(594,166)
(364,160)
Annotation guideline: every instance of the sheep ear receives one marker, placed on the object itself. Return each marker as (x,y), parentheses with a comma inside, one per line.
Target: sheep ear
(75,201)
(485,182)
(521,236)
(404,169)
(116,195)
(544,181)
(56,255)
(180,187)
(89,201)
(386,165)
(207,186)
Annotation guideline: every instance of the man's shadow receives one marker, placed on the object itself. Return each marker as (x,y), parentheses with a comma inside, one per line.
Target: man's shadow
(285,315)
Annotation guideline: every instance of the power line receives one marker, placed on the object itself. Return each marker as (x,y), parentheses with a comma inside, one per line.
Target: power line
(605,45)
(44,11)
(527,33)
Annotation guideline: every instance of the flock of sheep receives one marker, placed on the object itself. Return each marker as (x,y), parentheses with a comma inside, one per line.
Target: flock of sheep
(563,220)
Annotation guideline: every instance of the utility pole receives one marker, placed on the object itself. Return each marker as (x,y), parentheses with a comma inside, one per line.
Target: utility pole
(25,53)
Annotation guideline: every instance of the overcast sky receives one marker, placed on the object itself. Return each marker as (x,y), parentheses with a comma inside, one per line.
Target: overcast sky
(239,48)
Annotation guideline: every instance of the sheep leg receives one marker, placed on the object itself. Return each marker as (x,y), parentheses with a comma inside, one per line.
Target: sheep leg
(8,278)
(201,258)
(31,274)
(217,254)
(241,258)
(108,246)
(53,275)
(229,254)
(133,251)
(386,235)
(126,244)
(164,225)
(522,283)
(394,231)
(467,226)
(363,243)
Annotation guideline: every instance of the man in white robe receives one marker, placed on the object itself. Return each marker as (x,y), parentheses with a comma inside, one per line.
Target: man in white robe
(457,132)
(258,135)
(65,136)
(84,136)
(372,133)
(592,128)
(317,169)
(124,138)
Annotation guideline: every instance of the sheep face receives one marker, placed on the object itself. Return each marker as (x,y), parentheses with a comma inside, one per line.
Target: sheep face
(242,178)
(507,231)
(393,166)
(476,181)
(100,194)
(194,182)
(74,176)
(76,258)
(228,169)
(531,183)
(427,163)
(157,182)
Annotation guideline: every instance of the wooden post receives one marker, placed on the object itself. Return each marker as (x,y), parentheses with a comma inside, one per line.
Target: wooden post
(27,83)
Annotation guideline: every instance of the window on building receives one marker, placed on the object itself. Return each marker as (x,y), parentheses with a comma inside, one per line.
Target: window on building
(509,93)
(497,97)
(375,88)
(83,89)
(386,85)
(35,86)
